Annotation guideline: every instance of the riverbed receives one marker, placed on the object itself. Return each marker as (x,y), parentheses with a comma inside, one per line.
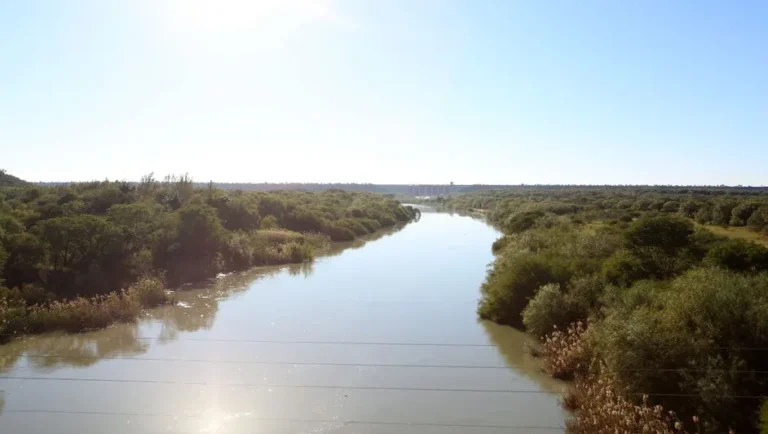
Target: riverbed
(378,336)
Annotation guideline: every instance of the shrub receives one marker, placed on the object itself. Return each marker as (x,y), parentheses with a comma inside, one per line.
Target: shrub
(600,407)
(738,255)
(513,281)
(671,206)
(759,219)
(764,417)
(566,351)
(623,268)
(370,224)
(499,244)
(665,232)
(269,222)
(339,232)
(687,339)
(742,212)
(522,221)
(704,215)
(81,313)
(546,311)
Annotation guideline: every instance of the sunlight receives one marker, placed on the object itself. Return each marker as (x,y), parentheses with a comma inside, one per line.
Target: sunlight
(233,15)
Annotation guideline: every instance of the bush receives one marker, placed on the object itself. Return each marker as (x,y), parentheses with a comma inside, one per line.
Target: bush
(738,255)
(764,417)
(522,221)
(499,244)
(623,268)
(339,232)
(513,281)
(81,314)
(546,311)
(665,232)
(687,339)
(268,222)
(601,407)
(704,215)
(566,351)
(671,206)
(759,219)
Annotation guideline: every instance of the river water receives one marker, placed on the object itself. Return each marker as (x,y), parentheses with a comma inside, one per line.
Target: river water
(378,337)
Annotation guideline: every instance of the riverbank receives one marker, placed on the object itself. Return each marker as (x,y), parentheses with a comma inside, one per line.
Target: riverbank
(80,250)
(669,310)
(338,345)
(93,313)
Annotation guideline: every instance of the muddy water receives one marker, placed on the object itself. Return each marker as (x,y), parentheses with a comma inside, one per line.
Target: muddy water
(378,337)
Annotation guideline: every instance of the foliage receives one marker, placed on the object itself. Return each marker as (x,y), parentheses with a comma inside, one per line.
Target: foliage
(81,313)
(738,255)
(692,337)
(674,311)
(61,242)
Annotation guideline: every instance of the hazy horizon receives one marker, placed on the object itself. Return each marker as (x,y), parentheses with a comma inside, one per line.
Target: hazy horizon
(400,92)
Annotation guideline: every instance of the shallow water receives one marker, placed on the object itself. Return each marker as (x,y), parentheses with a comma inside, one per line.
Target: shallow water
(380,336)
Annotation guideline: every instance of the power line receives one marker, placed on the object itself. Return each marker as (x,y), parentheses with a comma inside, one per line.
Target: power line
(380,365)
(279,363)
(288,420)
(283,342)
(332,387)
(374,343)
(274,386)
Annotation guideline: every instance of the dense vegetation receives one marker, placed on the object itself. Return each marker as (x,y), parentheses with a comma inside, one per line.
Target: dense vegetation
(71,249)
(674,310)
(7,179)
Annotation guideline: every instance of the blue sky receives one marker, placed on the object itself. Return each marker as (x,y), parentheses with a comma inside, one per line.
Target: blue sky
(389,91)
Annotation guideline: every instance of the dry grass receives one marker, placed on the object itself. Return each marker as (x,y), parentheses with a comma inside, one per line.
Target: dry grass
(740,232)
(83,313)
(598,405)
(599,408)
(566,353)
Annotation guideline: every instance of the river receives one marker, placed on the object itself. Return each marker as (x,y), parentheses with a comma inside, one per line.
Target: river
(378,337)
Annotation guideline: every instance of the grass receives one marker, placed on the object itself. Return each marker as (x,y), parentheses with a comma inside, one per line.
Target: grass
(740,232)
(82,313)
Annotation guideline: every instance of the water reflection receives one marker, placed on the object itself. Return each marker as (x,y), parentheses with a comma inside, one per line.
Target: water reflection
(387,334)
(512,345)
(195,309)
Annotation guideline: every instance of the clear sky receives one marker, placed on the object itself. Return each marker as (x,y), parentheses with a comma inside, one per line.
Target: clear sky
(386,91)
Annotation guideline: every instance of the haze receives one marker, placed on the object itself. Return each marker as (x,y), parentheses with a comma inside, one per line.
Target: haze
(494,92)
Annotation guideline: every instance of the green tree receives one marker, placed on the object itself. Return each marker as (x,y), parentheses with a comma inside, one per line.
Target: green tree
(666,232)
(689,208)
(671,206)
(738,255)
(742,212)
(722,211)
(85,254)
(704,215)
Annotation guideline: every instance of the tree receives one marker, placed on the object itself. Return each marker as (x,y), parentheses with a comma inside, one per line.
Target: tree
(73,242)
(704,215)
(85,254)
(759,219)
(738,255)
(721,213)
(689,208)
(666,232)
(671,206)
(742,212)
